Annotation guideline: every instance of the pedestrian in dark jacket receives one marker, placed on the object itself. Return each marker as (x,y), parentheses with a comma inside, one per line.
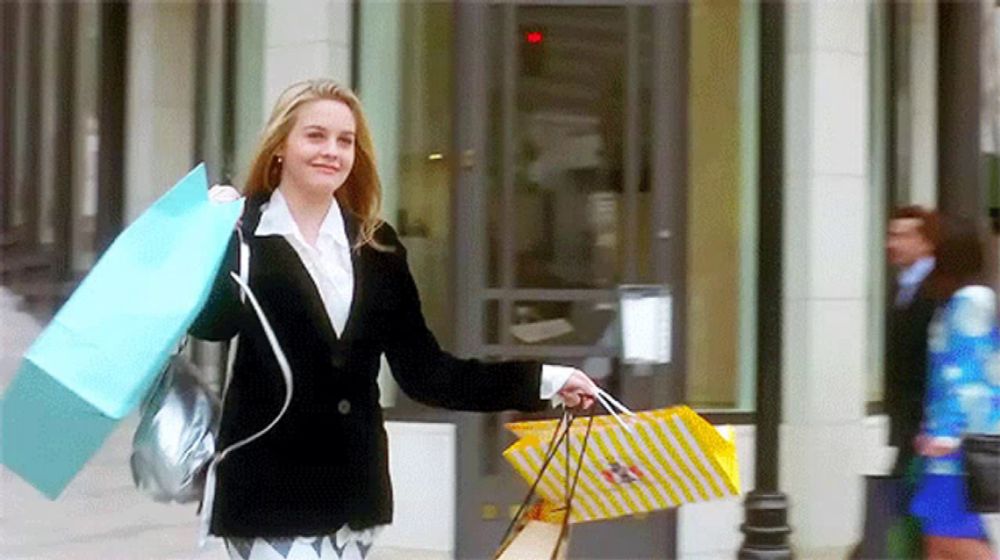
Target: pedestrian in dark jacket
(912,237)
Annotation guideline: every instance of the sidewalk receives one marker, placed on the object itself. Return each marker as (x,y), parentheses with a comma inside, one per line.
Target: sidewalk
(100,516)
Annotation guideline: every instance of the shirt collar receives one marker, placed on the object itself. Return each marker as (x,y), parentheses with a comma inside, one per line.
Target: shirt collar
(276,219)
(916,272)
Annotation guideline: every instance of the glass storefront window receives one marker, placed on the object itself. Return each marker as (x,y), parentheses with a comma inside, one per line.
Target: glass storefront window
(722,205)
(569,205)
(405,82)
(411,116)
(570,226)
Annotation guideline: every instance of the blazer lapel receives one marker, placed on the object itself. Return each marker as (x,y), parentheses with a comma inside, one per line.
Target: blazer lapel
(353,227)
(290,267)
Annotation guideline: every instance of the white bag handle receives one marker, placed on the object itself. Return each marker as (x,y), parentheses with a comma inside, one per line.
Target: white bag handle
(286,370)
(244,258)
(611,405)
(208,500)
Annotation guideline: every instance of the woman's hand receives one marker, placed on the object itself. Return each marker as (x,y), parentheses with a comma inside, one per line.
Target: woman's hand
(579,392)
(933,446)
(221,194)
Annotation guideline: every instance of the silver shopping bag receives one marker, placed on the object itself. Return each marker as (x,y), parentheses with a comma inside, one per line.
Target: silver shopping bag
(175,440)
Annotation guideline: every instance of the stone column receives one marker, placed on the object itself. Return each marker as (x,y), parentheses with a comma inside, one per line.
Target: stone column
(827,206)
(305,39)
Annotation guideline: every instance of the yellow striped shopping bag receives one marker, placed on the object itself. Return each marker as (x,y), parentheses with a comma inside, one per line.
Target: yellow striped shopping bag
(634,463)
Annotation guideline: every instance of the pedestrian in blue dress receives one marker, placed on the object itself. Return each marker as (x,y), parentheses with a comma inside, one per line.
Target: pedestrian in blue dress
(963,395)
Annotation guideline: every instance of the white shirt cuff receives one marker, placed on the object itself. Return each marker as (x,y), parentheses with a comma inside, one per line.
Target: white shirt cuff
(553,380)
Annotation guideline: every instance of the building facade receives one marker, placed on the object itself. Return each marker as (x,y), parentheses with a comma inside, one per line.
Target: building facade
(536,158)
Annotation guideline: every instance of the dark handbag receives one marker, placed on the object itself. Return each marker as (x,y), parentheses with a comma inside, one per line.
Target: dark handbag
(981,453)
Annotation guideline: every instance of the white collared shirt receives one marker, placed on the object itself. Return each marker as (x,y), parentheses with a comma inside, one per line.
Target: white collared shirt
(910,278)
(328,262)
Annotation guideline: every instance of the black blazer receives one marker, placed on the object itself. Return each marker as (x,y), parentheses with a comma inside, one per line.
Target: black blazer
(906,371)
(326,463)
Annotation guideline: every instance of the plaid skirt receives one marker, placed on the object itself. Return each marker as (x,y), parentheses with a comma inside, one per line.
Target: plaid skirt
(345,544)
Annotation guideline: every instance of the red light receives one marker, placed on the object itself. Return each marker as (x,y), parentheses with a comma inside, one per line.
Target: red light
(534,37)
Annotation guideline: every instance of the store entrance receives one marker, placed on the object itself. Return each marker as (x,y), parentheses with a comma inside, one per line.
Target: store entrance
(566,192)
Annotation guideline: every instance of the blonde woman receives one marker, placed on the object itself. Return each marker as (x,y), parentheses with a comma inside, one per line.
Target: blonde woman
(333,280)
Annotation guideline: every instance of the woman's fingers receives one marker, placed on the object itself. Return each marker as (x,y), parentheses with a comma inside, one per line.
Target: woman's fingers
(571,398)
(579,393)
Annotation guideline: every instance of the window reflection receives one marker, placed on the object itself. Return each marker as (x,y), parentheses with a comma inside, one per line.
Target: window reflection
(568,222)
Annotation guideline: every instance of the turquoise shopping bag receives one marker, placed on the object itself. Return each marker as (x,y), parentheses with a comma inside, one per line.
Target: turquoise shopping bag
(101,353)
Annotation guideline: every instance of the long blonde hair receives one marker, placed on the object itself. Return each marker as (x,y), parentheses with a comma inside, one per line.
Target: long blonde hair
(361,192)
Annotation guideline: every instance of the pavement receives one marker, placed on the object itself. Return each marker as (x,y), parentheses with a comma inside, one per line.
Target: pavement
(100,516)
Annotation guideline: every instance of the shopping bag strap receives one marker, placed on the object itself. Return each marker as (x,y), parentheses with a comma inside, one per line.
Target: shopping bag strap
(246,293)
(560,433)
(286,370)
(243,281)
(614,408)
(244,267)
(571,487)
(244,262)
(559,436)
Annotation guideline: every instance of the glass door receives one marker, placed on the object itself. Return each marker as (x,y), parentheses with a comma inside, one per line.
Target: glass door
(566,191)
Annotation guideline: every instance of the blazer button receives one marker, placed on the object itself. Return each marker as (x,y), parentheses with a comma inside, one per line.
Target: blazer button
(337,360)
(344,407)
